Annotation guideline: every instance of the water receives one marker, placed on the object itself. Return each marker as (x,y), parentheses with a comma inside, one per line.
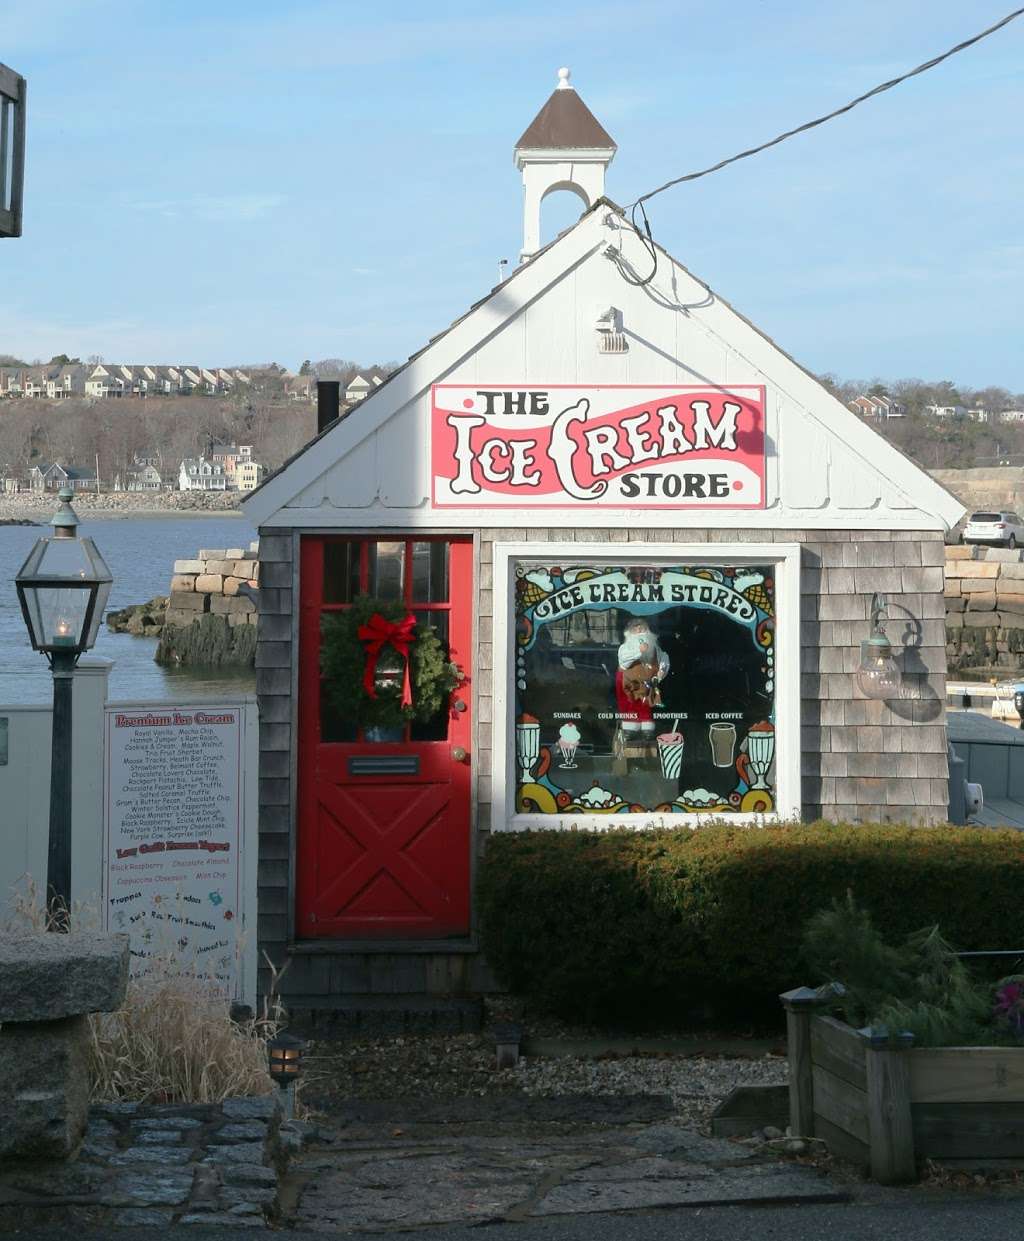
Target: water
(141,552)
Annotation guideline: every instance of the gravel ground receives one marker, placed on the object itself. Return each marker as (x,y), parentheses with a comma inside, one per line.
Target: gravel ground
(458,1066)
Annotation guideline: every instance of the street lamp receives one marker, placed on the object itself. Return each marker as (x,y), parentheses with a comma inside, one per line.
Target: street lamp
(63,588)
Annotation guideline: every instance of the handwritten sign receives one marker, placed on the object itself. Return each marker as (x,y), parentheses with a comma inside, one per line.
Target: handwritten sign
(629,447)
(173,829)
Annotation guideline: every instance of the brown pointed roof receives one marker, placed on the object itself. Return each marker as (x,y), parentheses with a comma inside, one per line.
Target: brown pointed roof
(565,121)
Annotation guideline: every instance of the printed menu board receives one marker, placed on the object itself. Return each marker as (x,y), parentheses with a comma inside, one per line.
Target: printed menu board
(172,832)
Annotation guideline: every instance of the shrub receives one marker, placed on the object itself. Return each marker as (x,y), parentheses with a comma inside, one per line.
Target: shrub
(645,926)
(173,1039)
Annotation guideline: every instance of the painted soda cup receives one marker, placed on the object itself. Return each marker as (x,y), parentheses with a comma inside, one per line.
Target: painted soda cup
(670,750)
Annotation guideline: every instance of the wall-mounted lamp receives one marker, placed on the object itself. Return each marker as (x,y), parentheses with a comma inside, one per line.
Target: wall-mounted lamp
(878,675)
(610,336)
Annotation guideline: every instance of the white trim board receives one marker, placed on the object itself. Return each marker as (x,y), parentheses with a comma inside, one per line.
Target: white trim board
(786,556)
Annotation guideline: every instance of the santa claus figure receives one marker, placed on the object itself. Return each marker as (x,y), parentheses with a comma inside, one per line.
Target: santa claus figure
(642,665)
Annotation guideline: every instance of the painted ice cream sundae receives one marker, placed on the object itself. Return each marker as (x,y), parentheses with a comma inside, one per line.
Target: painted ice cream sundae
(527,744)
(760,752)
(568,740)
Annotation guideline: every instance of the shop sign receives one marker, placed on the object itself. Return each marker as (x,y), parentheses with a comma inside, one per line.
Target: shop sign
(635,447)
(173,828)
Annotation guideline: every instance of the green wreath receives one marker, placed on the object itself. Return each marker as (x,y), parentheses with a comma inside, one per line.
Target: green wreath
(432,675)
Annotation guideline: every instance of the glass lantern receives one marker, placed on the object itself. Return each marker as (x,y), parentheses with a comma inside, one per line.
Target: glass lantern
(63,587)
(878,675)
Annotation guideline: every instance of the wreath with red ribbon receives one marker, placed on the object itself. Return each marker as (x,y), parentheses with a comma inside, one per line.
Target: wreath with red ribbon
(352,643)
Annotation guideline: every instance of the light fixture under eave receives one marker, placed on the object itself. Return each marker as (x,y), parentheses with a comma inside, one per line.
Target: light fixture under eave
(878,675)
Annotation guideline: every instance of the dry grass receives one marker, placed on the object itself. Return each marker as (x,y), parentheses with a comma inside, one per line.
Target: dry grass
(173,1040)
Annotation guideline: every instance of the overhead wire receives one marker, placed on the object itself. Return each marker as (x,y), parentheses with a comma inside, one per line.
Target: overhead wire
(648,240)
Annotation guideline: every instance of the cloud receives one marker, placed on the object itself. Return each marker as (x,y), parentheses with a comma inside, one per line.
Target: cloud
(220,209)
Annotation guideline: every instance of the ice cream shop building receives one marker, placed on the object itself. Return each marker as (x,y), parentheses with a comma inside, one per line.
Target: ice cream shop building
(600,554)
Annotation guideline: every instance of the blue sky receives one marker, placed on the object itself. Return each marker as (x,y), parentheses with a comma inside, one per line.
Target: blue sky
(233,182)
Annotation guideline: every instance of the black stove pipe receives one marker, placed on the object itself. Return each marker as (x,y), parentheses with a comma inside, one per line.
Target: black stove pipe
(328,403)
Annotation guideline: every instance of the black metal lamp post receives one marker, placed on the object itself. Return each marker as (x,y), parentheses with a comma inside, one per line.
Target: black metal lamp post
(63,588)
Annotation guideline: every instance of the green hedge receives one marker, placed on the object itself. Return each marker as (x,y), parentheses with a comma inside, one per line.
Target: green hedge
(647,926)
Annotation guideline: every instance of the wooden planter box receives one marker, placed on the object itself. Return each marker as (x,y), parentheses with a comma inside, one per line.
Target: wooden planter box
(885,1105)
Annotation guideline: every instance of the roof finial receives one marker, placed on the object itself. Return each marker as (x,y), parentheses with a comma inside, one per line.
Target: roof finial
(564,75)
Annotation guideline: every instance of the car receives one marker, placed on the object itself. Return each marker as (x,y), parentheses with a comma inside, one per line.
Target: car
(1004,529)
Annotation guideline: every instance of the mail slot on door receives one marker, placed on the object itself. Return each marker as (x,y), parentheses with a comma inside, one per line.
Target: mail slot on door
(384,765)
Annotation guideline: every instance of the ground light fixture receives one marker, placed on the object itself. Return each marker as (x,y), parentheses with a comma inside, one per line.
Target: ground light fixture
(878,675)
(63,588)
(284,1060)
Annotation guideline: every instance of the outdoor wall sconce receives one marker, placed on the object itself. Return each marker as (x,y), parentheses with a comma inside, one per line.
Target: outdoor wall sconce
(63,588)
(12,150)
(878,675)
(284,1057)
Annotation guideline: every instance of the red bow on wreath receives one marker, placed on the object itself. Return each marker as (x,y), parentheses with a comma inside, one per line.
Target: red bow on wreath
(378,632)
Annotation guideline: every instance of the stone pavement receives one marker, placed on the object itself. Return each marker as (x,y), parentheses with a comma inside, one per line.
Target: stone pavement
(213,1163)
(373,1171)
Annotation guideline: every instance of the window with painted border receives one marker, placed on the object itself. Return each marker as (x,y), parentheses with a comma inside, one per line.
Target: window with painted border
(645,685)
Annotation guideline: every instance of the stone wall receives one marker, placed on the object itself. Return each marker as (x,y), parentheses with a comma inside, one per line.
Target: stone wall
(222,581)
(984,594)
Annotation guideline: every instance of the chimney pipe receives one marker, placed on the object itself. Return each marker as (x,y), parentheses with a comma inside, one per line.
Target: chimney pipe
(328,403)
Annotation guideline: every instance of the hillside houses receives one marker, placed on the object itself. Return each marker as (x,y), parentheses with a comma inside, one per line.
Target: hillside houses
(878,407)
(115,379)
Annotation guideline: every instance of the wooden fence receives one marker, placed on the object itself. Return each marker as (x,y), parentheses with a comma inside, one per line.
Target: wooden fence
(884,1104)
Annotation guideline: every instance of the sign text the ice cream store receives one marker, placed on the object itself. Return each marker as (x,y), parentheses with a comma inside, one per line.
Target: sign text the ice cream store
(605,447)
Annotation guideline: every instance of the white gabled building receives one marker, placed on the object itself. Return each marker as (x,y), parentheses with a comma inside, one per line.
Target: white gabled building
(581,468)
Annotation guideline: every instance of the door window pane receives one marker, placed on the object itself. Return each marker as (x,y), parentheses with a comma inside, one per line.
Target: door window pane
(386,578)
(341,571)
(335,725)
(644,688)
(430,572)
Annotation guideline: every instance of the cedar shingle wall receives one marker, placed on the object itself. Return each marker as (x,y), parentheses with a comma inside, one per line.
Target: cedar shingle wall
(861,760)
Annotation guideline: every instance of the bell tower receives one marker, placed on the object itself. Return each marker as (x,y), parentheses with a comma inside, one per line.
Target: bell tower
(564,148)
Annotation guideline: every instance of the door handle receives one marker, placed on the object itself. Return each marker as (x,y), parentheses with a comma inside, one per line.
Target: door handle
(459,754)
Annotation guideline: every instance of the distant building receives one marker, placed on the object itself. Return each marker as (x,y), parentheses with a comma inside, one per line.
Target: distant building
(231,457)
(143,478)
(1012,415)
(300,387)
(49,476)
(198,474)
(878,407)
(249,475)
(946,411)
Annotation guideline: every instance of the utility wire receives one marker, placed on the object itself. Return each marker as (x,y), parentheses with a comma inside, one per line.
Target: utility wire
(884,86)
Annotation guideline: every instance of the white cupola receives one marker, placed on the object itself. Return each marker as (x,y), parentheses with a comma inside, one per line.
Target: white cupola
(564,148)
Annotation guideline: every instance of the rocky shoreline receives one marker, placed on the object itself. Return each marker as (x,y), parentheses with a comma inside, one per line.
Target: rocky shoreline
(27,507)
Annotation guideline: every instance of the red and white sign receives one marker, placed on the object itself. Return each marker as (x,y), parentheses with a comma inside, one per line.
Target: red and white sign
(496,446)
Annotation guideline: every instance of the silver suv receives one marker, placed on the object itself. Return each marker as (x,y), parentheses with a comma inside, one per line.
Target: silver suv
(1004,529)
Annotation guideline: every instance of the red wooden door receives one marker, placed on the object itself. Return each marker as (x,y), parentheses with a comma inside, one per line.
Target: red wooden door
(383,827)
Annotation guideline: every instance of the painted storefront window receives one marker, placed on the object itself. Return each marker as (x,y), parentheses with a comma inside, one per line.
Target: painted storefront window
(644,688)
